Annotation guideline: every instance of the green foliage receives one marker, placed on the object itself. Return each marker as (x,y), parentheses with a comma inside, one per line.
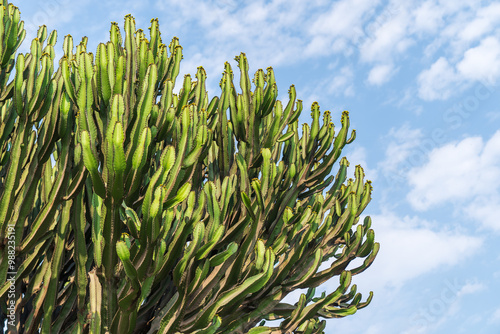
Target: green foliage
(136,209)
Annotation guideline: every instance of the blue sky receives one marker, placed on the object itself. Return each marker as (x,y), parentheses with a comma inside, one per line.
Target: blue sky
(421,82)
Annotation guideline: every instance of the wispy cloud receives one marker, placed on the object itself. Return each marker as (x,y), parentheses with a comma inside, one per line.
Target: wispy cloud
(466,173)
(485,21)
(380,74)
(495,318)
(342,82)
(445,307)
(402,257)
(340,24)
(52,13)
(401,152)
(482,62)
(438,82)
(390,38)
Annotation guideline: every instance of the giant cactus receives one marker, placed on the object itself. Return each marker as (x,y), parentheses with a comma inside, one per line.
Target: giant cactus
(128,208)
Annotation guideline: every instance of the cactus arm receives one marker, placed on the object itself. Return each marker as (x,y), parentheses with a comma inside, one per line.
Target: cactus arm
(95,291)
(57,258)
(13,171)
(29,263)
(43,219)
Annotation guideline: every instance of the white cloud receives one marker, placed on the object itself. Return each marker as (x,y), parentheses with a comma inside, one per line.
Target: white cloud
(466,173)
(343,21)
(336,82)
(428,17)
(341,17)
(411,247)
(443,79)
(342,83)
(319,45)
(380,74)
(485,21)
(437,82)
(470,288)
(485,209)
(389,38)
(53,14)
(493,116)
(402,145)
(481,62)
(445,308)
(452,27)
(450,174)
(268,32)
(496,316)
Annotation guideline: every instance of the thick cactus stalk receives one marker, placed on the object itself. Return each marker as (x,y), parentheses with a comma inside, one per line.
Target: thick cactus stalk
(128,208)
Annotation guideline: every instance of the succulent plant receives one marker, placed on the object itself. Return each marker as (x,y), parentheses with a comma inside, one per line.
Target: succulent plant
(126,207)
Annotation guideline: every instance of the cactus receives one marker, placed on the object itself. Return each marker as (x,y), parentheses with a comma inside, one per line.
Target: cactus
(128,208)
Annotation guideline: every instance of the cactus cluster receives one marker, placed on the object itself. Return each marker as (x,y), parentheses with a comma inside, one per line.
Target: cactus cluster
(137,209)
